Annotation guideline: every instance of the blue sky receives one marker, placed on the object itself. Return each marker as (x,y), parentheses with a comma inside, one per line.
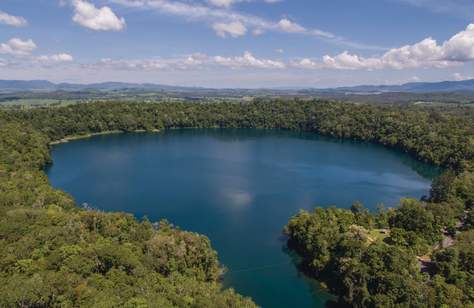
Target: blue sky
(237,43)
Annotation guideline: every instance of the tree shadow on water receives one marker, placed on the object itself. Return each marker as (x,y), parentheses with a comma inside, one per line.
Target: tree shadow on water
(320,295)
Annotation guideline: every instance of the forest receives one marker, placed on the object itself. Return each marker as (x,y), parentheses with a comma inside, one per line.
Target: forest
(53,253)
(56,254)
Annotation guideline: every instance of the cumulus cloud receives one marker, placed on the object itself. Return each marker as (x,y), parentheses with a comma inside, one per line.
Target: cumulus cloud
(19,53)
(124,64)
(349,61)
(461,46)
(427,53)
(17,47)
(181,63)
(306,63)
(88,15)
(10,20)
(54,59)
(249,61)
(343,61)
(188,62)
(424,54)
(234,29)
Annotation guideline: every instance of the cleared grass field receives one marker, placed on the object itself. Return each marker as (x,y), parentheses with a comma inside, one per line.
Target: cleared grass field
(36,102)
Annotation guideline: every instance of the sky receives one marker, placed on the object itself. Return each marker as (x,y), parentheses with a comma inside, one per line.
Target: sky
(238,43)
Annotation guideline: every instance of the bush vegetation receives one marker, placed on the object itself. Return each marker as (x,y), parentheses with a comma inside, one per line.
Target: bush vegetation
(53,253)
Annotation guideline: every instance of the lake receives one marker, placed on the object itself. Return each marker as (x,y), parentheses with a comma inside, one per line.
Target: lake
(238,187)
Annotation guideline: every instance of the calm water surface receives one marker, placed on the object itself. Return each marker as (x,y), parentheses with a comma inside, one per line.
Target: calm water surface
(238,187)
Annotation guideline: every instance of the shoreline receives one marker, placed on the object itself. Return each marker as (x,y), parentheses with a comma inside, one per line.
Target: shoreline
(109,132)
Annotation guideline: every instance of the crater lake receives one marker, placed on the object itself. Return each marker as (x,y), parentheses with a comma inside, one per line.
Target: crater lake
(239,188)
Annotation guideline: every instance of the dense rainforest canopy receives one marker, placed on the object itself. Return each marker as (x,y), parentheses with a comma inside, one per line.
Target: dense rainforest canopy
(53,253)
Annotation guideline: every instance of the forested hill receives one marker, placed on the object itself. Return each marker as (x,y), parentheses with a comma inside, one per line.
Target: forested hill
(413,87)
(52,253)
(432,135)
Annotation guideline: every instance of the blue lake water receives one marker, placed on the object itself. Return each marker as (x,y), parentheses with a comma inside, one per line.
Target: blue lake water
(238,187)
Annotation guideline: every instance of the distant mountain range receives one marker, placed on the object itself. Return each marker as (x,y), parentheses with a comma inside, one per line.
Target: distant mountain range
(44,85)
(414,87)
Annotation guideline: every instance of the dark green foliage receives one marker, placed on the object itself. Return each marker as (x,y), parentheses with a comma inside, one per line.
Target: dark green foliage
(415,217)
(363,269)
(442,187)
(469,220)
(443,140)
(55,254)
(370,259)
(367,269)
(456,264)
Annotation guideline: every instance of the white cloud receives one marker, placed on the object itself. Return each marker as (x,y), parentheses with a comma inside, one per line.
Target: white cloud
(61,57)
(258,25)
(181,63)
(306,63)
(456,51)
(461,46)
(248,61)
(289,26)
(10,20)
(54,59)
(234,29)
(343,61)
(20,54)
(17,47)
(188,62)
(461,77)
(122,64)
(103,19)
(424,54)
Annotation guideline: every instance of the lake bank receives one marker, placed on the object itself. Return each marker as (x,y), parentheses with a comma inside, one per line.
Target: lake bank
(238,187)
(108,132)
